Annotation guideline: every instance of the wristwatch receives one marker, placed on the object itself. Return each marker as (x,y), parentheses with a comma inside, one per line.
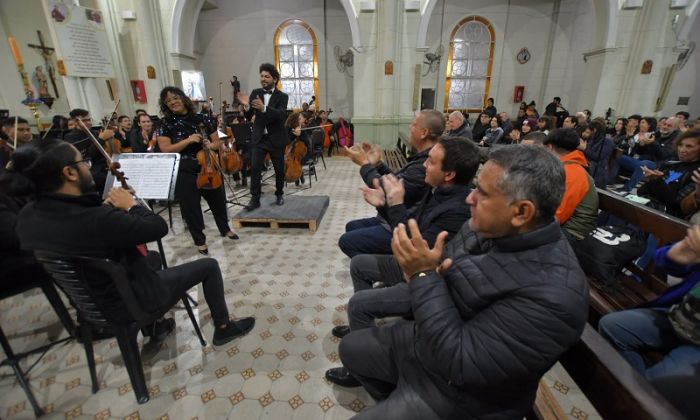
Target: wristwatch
(419,274)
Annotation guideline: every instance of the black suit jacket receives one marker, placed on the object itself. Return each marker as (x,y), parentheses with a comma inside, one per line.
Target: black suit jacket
(272,119)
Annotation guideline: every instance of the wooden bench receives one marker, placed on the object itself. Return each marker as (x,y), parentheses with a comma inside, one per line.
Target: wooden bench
(614,388)
(395,159)
(628,292)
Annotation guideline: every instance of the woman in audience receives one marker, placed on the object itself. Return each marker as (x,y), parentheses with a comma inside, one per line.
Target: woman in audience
(645,151)
(669,325)
(545,124)
(514,136)
(617,132)
(599,151)
(493,134)
(671,185)
(480,127)
(529,125)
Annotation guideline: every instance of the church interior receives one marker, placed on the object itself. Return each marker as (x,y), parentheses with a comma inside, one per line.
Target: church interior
(365,67)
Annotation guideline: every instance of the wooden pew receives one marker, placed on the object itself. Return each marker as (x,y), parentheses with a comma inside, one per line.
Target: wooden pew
(395,159)
(628,292)
(614,388)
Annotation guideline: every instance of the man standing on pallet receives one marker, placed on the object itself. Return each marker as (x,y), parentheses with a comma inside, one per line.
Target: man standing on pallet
(362,235)
(269,106)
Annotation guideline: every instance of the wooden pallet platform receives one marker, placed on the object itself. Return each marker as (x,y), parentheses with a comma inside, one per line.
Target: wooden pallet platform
(297,212)
(274,224)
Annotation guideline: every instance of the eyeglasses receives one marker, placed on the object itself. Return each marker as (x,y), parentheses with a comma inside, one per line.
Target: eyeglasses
(87,161)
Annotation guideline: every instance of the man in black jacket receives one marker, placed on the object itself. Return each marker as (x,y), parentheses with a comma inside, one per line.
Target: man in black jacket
(492,310)
(373,235)
(269,106)
(457,126)
(69,217)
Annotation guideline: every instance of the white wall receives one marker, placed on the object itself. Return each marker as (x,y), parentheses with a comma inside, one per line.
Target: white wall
(518,24)
(686,82)
(238,36)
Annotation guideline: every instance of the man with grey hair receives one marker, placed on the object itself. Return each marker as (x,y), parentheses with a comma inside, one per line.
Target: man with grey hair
(492,310)
(668,132)
(457,126)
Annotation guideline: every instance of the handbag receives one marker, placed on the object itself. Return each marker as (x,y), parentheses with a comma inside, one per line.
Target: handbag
(605,251)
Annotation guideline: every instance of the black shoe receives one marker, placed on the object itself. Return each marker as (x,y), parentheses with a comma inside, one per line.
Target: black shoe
(280,200)
(302,179)
(254,204)
(234,236)
(340,331)
(159,329)
(204,251)
(341,376)
(233,330)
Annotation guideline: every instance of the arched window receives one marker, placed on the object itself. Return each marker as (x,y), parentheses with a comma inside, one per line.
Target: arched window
(297,58)
(469,64)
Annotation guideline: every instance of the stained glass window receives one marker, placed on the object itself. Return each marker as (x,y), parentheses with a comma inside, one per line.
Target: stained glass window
(296,58)
(469,64)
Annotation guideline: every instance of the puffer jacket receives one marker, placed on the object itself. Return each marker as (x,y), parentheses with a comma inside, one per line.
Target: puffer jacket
(487,331)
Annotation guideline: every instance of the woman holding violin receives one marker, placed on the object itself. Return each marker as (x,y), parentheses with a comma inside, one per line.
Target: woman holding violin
(194,136)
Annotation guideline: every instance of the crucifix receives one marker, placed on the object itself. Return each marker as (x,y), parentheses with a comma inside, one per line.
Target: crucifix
(46,52)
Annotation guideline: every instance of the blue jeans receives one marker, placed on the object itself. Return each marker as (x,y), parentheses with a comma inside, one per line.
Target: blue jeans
(637,331)
(635,166)
(365,236)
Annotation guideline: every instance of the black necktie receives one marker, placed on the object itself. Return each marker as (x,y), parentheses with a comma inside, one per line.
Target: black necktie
(267,92)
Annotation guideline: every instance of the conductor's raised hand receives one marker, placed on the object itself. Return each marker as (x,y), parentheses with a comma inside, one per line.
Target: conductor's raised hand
(374,196)
(413,254)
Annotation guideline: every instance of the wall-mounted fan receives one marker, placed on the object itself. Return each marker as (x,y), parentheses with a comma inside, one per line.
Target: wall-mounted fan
(432,60)
(343,60)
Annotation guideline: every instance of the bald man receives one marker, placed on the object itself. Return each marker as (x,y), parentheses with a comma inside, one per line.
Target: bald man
(457,126)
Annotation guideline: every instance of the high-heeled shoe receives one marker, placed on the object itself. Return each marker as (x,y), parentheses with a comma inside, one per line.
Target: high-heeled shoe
(203,251)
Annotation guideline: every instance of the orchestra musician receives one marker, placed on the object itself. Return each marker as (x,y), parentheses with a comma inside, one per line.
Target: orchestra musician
(179,132)
(269,106)
(142,140)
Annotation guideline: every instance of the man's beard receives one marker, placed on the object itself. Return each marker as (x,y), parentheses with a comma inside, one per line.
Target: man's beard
(86,184)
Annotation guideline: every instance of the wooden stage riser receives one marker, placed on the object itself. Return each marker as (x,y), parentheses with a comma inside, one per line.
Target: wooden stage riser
(274,224)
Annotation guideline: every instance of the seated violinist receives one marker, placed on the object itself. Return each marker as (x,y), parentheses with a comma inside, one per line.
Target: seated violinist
(68,207)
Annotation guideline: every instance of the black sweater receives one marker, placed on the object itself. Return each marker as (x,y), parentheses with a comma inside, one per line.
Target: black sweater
(82,225)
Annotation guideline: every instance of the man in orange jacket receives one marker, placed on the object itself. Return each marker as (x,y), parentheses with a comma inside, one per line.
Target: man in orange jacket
(578,210)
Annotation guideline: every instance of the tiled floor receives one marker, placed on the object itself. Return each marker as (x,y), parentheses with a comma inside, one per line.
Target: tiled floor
(296,285)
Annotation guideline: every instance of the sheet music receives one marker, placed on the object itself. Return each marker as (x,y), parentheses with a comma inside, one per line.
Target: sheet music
(151,175)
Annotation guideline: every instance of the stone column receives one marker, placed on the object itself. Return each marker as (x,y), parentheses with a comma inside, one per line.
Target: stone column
(383,102)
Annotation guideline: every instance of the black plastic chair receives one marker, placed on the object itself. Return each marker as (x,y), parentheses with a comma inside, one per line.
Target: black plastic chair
(72,274)
(317,146)
(12,358)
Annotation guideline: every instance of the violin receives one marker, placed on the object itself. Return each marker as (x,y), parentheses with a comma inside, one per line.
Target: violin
(229,158)
(209,177)
(293,154)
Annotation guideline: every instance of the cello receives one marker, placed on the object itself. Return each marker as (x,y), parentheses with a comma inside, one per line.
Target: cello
(231,161)
(209,177)
(296,150)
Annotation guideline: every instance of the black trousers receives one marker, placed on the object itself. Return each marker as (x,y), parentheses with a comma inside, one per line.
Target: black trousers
(257,154)
(383,360)
(180,278)
(190,196)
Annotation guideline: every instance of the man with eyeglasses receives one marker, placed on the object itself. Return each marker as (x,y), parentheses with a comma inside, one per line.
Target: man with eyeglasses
(81,141)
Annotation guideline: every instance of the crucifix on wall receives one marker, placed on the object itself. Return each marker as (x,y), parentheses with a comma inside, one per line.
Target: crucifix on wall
(46,53)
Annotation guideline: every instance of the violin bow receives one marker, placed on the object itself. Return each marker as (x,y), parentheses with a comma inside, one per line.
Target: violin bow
(108,159)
